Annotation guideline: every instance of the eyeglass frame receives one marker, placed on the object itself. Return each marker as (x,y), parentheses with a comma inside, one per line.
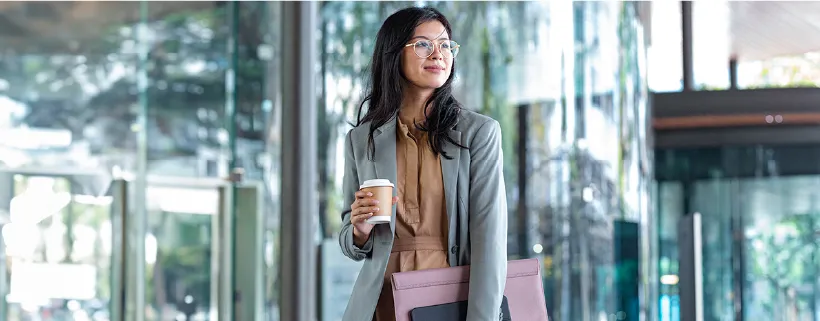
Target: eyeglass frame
(436,45)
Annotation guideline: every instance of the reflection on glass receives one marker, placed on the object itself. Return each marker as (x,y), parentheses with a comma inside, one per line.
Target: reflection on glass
(759,229)
(713,199)
(187,61)
(670,209)
(58,248)
(598,221)
(178,252)
(780,239)
(67,90)
(777,72)
(258,57)
(259,127)
(70,96)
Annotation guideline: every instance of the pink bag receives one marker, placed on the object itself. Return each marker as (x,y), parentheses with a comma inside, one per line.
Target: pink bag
(524,290)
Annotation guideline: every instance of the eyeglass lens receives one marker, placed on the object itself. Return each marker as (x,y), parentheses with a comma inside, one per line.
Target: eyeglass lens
(425,48)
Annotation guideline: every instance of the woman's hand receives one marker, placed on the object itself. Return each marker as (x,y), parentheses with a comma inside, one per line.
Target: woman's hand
(363,208)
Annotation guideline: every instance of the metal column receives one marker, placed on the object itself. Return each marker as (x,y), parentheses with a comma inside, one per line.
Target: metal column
(686,33)
(738,259)
(299,140)
(119,257)
(135,224)
(690,265)
(522,213)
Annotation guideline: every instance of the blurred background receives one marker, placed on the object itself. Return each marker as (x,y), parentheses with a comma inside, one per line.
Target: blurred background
(145,173)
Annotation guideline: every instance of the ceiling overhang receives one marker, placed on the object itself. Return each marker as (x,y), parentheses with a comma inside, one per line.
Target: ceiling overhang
(766,29)
(52,26)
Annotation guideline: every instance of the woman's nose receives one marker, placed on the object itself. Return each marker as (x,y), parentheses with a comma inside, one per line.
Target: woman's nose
(437,54)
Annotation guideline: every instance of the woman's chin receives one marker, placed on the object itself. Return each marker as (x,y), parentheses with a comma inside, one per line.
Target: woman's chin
(434,84)
(427,86)
(429,83)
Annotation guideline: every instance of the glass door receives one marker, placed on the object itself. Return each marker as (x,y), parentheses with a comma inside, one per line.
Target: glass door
(182,248)
(57,245)
(64,247)
(203,250)
(780,246)
(717,201)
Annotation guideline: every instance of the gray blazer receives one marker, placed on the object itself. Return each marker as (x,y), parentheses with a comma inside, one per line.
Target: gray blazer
(476,208)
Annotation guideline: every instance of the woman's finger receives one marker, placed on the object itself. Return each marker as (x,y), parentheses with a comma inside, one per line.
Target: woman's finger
(363,194)
(367,202)
(359,203)
(363,202)
(366,210)
(355,219)
(363,218)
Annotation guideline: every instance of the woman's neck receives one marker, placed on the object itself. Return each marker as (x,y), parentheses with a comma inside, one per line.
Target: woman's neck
(413,106)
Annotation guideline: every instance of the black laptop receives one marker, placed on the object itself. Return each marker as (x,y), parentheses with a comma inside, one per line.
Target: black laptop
(456,311)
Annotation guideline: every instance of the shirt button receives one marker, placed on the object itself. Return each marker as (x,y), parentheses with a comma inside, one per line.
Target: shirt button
(454,249)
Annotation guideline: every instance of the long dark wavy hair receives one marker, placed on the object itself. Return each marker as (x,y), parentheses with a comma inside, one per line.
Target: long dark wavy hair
(384,90)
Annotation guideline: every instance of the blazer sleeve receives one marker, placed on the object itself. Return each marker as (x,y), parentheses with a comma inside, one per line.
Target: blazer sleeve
(488,224)
(350,184)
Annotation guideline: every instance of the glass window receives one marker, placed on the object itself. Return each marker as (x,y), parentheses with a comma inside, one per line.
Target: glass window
(259,130)
(711,44)
(186,94)
(665,53)
(60,233)
(196,88)
(670,209)
(787,71)
(179,251)
(74,87)
(67,106)
(781,265)
(67,94)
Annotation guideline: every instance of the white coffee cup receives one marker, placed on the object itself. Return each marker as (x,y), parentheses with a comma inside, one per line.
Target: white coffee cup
(382,190)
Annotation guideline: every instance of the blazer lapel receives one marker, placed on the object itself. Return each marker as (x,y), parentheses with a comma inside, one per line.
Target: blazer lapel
(384,140)
(449,173)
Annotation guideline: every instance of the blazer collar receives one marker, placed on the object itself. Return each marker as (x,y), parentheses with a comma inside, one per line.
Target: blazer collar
(384,158)
(449,173)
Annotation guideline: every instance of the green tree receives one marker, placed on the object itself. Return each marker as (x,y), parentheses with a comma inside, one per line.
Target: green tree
(786,258)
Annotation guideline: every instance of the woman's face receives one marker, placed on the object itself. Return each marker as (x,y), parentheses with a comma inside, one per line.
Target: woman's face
(433,71)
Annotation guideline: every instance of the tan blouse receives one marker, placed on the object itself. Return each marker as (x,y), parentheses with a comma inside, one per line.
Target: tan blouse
(421,216)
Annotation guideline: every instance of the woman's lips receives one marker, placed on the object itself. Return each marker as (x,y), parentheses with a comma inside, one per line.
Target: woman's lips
(434,69)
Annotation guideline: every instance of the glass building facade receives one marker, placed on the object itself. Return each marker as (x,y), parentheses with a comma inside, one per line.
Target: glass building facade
(140,159)
(134,136)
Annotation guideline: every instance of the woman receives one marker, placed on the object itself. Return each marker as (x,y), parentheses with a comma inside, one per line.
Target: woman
(445,161)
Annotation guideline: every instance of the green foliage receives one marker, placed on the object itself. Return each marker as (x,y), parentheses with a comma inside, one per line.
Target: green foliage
(786,258)
(788,72)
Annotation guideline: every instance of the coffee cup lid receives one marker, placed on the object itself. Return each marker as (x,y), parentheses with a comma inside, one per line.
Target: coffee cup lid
(376,183)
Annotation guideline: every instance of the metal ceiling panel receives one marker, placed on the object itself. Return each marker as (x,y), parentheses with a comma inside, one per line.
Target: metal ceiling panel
(767,29)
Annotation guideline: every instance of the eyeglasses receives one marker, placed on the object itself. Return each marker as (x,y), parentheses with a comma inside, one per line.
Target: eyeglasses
(425,48)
